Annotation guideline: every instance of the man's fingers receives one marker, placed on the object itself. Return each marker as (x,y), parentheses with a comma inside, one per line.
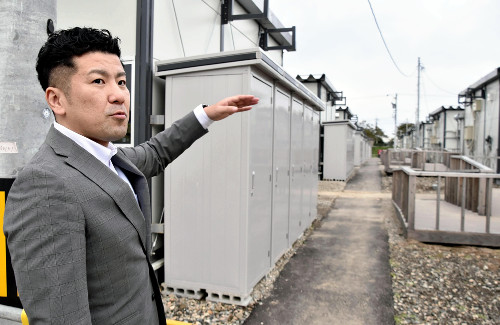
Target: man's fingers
(246,108)
(243,100)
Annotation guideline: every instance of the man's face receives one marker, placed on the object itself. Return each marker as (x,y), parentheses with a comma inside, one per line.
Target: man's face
(97,103)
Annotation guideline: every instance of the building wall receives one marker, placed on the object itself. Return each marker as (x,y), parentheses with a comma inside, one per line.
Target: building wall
(483,117)
(192,27)
(119,20)
(181,28)
(450,136)
(338,161)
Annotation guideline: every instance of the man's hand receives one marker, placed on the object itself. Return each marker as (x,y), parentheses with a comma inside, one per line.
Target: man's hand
(229,106)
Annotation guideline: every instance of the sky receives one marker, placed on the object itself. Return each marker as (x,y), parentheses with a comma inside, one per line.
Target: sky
(457,41)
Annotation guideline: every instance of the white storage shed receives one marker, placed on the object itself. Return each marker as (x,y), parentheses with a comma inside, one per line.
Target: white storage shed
(240,196)
(338,150)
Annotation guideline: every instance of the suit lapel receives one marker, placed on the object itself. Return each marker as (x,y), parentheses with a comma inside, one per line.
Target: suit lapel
(104,177)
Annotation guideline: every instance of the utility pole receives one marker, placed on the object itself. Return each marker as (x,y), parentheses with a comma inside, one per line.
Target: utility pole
(395,114)
(417,115)
(25,117)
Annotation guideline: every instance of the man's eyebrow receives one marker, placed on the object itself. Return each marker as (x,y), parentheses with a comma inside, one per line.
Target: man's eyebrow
(106,74)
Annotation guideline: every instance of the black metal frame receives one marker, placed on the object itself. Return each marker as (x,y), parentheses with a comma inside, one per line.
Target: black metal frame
(143,71)
(336,94)
(227,12)
(264,36)
(227,16)
(470,95)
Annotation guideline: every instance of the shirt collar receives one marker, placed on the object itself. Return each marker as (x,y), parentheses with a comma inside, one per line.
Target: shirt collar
(103,154)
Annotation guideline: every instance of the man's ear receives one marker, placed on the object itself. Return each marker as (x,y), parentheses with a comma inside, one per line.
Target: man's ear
(56,98)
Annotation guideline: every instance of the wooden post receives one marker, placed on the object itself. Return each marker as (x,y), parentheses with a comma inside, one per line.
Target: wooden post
(488,203)
(411,201)
(438,202)
(462,219)
(481,199)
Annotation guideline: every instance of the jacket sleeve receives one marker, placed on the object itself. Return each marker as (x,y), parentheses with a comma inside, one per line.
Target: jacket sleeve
(45,232)
(153,156)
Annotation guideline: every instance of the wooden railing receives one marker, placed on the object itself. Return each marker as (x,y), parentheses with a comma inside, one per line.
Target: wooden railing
(430,159)
(457,185)
(468,192)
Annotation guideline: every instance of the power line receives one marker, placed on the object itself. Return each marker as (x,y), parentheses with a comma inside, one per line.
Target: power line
(385,44)
(178,28)
(435,85)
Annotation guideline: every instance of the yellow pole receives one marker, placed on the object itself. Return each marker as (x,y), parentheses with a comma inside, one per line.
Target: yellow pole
(24,318)
(175,322)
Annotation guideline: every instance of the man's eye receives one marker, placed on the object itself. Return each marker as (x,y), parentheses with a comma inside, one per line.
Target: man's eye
(122,82)
(98,81)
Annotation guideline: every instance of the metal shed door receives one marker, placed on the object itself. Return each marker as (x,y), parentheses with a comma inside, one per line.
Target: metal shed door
(259,214)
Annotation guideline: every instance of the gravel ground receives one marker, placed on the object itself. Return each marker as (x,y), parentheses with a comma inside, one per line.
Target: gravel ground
(432,284)
(441,284)
(437,284)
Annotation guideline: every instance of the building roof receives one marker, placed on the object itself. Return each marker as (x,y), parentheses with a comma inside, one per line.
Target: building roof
(345,109)
(319,79)
(489,78)
(443,108)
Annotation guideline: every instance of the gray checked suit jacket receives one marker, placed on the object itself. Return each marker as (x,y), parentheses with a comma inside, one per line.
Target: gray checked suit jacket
(79,240)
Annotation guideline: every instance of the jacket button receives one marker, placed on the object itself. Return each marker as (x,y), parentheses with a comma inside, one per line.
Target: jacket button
(153,296)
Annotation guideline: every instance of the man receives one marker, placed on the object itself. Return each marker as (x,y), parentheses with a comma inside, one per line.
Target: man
(78,220)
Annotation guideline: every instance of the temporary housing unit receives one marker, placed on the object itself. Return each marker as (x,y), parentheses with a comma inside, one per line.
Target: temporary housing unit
(342,114)
(445,133)
(425,134)
(408,139)
(362,148)
(338,161)
(324,90)
(240,196)
(481,132)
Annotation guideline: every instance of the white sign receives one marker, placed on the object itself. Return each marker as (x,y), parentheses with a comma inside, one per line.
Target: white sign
(8,147)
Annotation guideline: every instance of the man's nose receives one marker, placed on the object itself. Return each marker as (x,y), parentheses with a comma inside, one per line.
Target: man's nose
(117,94)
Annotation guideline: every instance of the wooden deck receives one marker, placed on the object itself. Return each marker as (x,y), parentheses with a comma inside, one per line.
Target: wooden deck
(467,212)
(451,219)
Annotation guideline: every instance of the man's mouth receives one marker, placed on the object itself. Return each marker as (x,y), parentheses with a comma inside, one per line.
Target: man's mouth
(120,114)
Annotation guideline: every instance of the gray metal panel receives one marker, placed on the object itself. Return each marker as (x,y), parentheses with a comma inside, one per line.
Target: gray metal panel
(260,175)
(308,166)
(296,170)
(281,173)
(358,148)
(204,194)
(315,176)
(349,138)
(334,152)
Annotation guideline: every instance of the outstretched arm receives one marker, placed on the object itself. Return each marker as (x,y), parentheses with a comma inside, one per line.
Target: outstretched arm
(230,105)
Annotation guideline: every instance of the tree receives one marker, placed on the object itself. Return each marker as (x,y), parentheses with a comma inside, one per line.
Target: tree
(376,134)
(404,128)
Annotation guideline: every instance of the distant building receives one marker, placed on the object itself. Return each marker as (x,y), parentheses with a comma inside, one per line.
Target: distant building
(445,133)
(342,114)
(323,88)
(481,127)
(425,133)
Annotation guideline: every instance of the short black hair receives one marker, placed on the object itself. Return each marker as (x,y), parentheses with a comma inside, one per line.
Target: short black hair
(63,45)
